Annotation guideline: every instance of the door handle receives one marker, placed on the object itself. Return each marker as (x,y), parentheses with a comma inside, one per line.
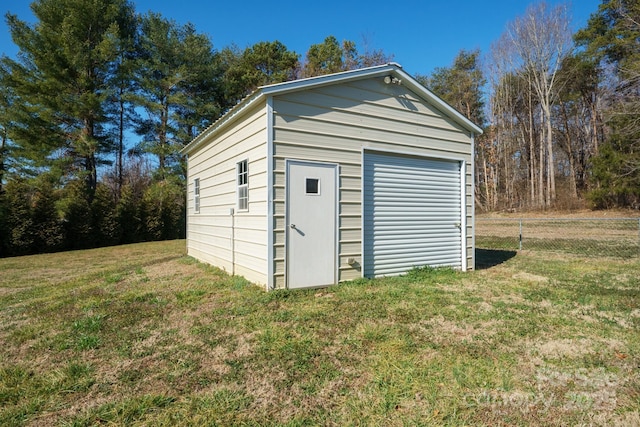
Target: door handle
(292,226)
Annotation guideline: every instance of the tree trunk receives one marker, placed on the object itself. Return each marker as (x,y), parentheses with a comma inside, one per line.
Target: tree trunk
(573,186)
(3,148)
(551,172)
(594,125)
(164,119)
(119,165)
(541,159)
(572,175)
(90,158)
(532,155)
(486,182)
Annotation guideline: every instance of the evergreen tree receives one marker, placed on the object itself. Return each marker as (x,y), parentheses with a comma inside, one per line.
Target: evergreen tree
(324,58)
(61,80)
(104,219)
(178,83)
(21,236)
(460,85)
(4,229)
(75,209)
(612,36)
(261,64)
(332,57)
(5,123)
(128,216)
(47,227)
(120,105)
(164,210)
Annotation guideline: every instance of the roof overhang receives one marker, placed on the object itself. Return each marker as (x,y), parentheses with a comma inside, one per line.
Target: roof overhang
(392,69)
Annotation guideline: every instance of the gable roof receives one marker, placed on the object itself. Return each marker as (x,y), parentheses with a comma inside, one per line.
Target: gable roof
(391,69)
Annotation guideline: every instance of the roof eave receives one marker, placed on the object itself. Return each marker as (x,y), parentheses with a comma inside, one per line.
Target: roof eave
(429,96)
(295,85)
(281,88)
(223,121)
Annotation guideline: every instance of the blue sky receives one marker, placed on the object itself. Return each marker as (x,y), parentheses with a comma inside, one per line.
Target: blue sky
(421,35)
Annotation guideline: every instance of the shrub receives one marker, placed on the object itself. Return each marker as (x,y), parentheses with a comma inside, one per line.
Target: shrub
(76,212)
(164,210)
(128,214)
(20,228)
(47,226)
(105,223)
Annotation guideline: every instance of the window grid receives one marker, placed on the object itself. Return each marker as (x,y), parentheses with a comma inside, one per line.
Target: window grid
(196,195)
(243,185)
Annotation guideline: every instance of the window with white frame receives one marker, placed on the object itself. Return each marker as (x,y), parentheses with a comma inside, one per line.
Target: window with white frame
(243,185)
(196,195)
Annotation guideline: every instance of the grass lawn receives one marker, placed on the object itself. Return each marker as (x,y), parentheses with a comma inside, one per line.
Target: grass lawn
(144,335)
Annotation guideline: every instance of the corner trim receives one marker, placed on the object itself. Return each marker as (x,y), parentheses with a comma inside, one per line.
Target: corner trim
(473,201)
(270,285)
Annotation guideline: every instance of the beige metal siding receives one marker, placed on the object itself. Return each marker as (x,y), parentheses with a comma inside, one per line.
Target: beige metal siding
(210,237)
(334,124)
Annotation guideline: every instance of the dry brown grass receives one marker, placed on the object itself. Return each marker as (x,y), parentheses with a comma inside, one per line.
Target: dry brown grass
(577,213)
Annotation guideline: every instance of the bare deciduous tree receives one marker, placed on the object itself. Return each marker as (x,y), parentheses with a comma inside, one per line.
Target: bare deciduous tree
(541,38)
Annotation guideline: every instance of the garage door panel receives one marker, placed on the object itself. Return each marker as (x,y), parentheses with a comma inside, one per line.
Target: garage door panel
(412,259)
(391,209)
(412,213)
(392,195)
(390,245)
(394,178)
(393,229)
(391,238)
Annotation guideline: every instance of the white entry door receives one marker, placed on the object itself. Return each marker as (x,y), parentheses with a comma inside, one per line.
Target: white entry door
(311,224)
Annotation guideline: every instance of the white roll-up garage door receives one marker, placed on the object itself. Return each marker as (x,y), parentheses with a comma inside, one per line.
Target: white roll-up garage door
(412,213)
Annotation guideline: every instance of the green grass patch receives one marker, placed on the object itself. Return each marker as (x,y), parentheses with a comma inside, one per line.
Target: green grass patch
(529,338)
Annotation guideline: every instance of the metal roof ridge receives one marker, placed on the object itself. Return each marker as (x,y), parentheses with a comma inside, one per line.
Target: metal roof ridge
(326,79)
(277,88)
(331,77)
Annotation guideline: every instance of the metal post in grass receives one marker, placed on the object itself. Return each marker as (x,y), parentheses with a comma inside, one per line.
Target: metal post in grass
(520,234)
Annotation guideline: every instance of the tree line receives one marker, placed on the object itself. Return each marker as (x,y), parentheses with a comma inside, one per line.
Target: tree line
(92,76)
(560,111)
(99,101)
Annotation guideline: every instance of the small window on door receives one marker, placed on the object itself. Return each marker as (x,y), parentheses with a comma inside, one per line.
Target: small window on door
(313,186)
(196,195)
(243,185)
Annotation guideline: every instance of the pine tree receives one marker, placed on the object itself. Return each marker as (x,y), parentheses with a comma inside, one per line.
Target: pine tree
(61,80)
(612,37)
(18,212)
(5,123)
(261,64)
(120,105)
(178,84)
(324,58)
(461,85)
(331,57)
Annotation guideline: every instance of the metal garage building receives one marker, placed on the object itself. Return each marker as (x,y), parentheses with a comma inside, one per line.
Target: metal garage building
(319,180)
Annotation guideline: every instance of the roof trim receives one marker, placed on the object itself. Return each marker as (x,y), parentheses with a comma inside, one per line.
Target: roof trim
(226,118)
(281,88)
(447,109)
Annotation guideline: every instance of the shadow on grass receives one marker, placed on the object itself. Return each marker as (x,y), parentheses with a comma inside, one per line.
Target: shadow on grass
(487,258)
